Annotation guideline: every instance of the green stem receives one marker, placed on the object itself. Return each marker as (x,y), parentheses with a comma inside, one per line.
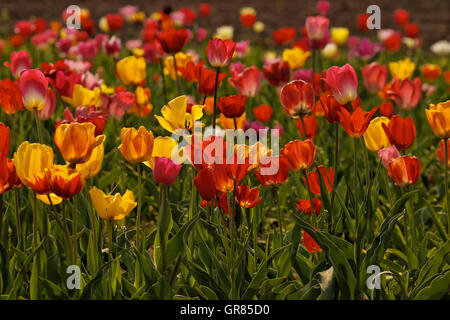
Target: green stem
(17,213)
(335,164)
(38,126)
(66,235)
(447,200)
(35,226)
(139,208)
(110,235)
(355,181)
(1,217)
(75,227)
(313,211)
(176,74)
(163,79)
(280,221)
(232,213)
(215,98)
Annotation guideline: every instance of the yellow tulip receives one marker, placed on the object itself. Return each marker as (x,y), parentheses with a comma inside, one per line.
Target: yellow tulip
(92,167)
(175,115)
(182,60)
(340,35)
(112,207)
(84,97)
(31,160)
(402,69)
(137,145)
(438,117)
(228,123)
(295,57)
(76,141)
(375,137)
(131,70)
(224,33)
(55,200)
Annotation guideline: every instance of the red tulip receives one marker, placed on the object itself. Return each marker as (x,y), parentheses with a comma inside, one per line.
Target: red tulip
(10,97)
(386,109)
(310,244)
(246,197)
(172,41)
(297,98)
(274,171)
(361,21)
(299,154)
(440,153)
(220,52)
(206,81)
(4,140)
(404,170)
(314,182)
(165,170)
(311,126)
(64,83)
(405,93)
(343,83)
(375,76)
(33,86)
(331,107)
(263,113)
(411,30)
(400,132)
(284,35)
(305,206)
(191,71)
(204,9)
(356,123)
(205,184)
(317,27)
(49,108)
(8,176)
(248,82)
(233,106)
(115,21)
(277,73)
(394,42)
(323,7)
(401,17)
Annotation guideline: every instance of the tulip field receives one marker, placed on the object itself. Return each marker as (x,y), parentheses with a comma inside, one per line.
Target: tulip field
(145,156)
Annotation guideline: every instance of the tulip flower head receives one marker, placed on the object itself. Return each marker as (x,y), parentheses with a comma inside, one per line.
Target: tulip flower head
(356,123)
(248,82)
(64,181)
(375,138)
(440,153)
(297,98)
(311,126)
(310,244)
(220,52)
(165,170)
(277,73)
(131,70)
(387,155)
(317,27)
(400,132)
(137,145)
(233,106)
(112,207)
(176,115)
(92,167)
(295,57)
(404,170)
(438,117)
(314,182)
(76,141)
(273,171)
(299,154)
(20,61)
(206,184)
(247,197)
(375,77)
(402,69)
(173,41)
(305,206)
(263,113)
(33,86)
(343,83)
(405,93)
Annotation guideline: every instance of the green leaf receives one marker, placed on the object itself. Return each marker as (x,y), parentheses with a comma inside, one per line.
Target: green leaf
(437,288)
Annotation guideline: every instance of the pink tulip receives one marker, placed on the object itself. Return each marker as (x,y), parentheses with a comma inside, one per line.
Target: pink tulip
(20,61)
(248,82)
(201,34)
(125,99)
(33,87)
(88,49)
(323,7)
(165,171)
(316,27)
(343,83)
(387,155)
(47,111)
(112,46)
(64,84)
(220,52)
(375,76)
(405,93)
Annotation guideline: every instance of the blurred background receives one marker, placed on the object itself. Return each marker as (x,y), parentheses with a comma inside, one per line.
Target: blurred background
(432,16)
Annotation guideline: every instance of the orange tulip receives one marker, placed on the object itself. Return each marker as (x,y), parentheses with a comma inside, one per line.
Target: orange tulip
(438,117)
(310,125)
(404,170)
(311,245)
(355,124)
(246,197)
(76,141)
(137,145)
(300,154)
(277,174)
(314,182)
(64,181)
